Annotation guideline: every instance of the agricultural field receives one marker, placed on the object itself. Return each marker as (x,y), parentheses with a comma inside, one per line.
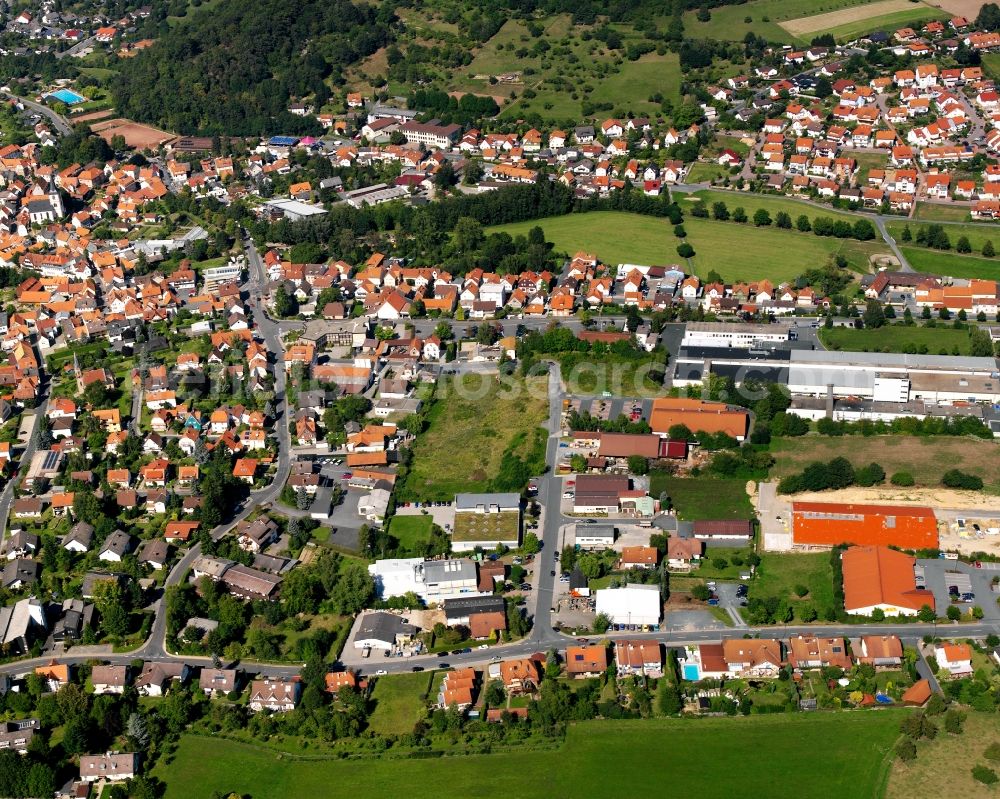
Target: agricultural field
(736,252)
(941,340)
(925,457)
(865,18)
(784,574)
(856,749)
(399,702)
(923,259)
(703,497)
(915,15)
(944,765)
(728,23)
(468,433)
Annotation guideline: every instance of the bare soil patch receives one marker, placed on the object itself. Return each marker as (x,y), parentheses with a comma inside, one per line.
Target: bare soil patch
(135,134)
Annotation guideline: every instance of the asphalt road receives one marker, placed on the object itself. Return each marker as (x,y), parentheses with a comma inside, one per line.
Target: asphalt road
(7,496)
(59,123)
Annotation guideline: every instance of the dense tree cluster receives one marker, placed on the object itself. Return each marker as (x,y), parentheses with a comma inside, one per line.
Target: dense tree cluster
(232,70)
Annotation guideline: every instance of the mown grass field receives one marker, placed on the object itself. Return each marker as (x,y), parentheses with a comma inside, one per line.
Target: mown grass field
(942,340)
(938,212)
(811,756)
(470,427)
(926,458)
(771,203)
(399,702)
(780,573)
(411,531)
(948,263)
(728,23)
(991,65)
(736,252)
(977,234)
(703,497)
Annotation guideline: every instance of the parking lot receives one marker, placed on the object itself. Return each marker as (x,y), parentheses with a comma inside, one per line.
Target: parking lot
(443,514)
(939,574)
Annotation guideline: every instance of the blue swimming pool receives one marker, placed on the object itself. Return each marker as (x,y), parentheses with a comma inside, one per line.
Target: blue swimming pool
(67,96)
(691,672)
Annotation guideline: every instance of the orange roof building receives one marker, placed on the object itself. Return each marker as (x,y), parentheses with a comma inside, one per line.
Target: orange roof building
(832,523)
(698,416)
(879,577)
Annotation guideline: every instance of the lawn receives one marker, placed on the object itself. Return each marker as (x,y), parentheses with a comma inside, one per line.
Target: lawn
(925,457)
(941,340)
(621,377)
(991,65)
(780,573)
(400,702)
(977,234)
(731,571)
(944,766)
(470,426)
(952,265)
(750,202)
(703,497)
(412,532)
(736,252)
(713,758)
(939,212)
(704,172)
(636,81)
(866,163)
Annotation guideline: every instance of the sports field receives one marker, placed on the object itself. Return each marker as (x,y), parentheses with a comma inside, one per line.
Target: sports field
(811,756)
(941,340)
(468,432)
(736,252)
(925,457)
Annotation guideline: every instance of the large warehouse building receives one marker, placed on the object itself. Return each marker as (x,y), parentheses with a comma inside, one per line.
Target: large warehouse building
(884,579)
(828,524)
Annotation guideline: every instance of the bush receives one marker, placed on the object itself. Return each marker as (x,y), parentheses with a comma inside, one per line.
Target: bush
(906,750)
(870,475)
(993,752)
(902,479)
(954,478)
(984,774)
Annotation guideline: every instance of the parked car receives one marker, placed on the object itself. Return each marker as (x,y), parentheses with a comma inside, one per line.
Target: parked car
(417,668)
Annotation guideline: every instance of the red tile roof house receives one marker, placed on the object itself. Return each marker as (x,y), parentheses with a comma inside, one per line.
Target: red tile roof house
(955,660)
(810,652)
(586,661)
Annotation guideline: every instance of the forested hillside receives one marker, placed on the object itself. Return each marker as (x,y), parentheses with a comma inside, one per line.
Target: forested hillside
(232,69)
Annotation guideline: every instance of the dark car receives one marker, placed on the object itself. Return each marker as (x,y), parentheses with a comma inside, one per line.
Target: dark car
(953,590)
(467,650)
(552,574)
(443,666)
(417,668)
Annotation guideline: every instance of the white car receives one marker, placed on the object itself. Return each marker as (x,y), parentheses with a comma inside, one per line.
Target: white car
(381,673)
(483,646)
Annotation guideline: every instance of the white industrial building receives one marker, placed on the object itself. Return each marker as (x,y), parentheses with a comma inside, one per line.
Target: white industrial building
(594,536)
(635,604)
(432,580)
(733,334)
